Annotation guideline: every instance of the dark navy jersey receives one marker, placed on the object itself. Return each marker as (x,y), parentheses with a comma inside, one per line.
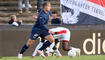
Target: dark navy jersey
(42,20)
(56,21)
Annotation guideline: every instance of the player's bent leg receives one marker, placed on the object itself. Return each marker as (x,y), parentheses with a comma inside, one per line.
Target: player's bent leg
(46,44)
(49,49)
(40,50)
(38,46)
(25,47)
(50,38)
(30,42)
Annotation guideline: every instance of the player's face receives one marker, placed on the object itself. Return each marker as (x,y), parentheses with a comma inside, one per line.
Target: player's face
(54,15)
(48,7)
(14,18)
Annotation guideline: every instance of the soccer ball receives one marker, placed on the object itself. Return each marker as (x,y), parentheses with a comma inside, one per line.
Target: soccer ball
(72,53)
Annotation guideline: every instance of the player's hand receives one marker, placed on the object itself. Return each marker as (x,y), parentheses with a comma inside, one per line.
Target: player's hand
(51,32)
(35,16)
(20,21)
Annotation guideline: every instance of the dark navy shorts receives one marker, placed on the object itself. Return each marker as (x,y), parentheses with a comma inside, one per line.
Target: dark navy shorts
(36,32)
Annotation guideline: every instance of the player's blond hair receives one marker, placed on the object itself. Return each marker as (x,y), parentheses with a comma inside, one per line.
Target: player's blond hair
(12,16)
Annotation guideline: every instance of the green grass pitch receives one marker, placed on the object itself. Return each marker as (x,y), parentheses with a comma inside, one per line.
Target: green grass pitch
(84,57)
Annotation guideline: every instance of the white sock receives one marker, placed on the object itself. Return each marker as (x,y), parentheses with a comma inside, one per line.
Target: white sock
(57,52)
(38,46)
(50,47)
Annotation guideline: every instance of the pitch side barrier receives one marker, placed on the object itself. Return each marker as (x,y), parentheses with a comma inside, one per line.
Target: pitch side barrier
(90,39)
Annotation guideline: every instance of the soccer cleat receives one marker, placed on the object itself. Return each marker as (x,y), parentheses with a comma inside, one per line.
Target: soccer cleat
(59,56)
(78,52)
(20,56)
(32,56)
(41,53)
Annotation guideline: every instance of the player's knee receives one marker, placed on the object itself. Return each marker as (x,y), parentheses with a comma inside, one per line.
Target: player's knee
(29,43)
(52,40)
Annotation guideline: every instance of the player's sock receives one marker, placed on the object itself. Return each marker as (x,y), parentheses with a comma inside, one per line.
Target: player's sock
(24,48)
(57,53)
(45,45)
(38,46)
(50,47)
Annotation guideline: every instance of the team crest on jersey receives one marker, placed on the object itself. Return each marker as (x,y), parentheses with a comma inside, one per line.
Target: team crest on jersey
(35,35)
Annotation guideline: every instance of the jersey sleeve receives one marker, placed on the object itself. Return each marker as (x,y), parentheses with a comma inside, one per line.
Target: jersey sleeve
(41,22)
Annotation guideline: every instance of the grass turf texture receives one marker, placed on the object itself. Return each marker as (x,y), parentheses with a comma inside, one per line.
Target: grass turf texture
(92,57)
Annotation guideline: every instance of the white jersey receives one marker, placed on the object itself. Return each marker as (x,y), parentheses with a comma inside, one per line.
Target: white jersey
(63,33)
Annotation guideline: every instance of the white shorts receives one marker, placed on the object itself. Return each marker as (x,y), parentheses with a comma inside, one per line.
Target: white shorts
(63,36)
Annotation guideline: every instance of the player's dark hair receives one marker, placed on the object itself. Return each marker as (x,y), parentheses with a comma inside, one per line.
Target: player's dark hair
(54,12)
(45,4)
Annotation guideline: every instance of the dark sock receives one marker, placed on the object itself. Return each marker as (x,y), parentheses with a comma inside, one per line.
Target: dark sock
(45,45)
(24,48)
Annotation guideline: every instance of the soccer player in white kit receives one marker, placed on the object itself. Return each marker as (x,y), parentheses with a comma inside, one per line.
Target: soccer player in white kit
(61,34)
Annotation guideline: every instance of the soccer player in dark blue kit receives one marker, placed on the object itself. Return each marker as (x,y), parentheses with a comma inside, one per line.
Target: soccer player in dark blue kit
(40,29)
